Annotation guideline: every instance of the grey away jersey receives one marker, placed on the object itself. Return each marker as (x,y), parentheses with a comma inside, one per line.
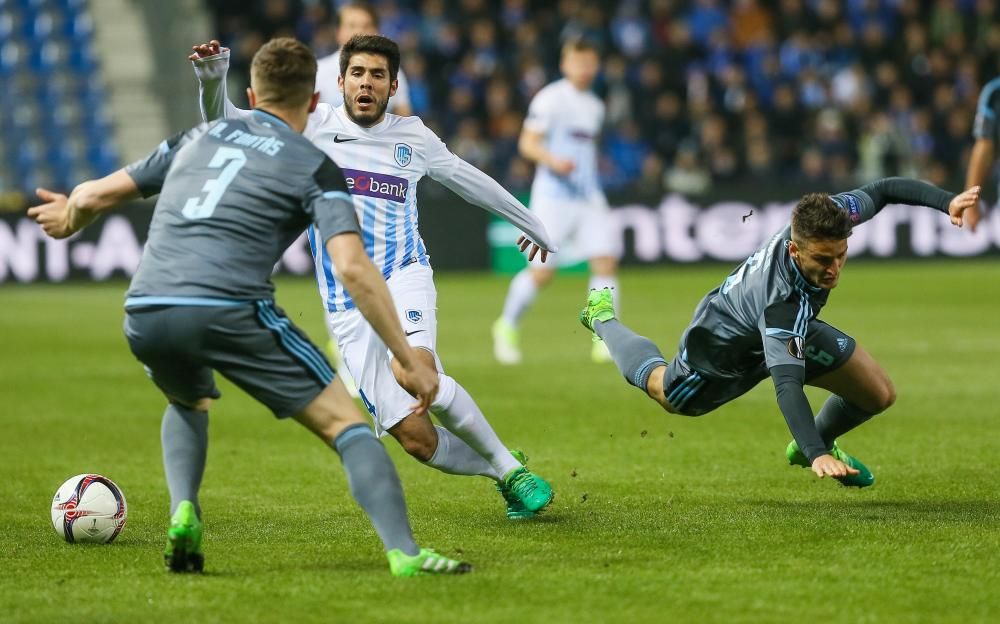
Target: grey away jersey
(760,314)
(234,195)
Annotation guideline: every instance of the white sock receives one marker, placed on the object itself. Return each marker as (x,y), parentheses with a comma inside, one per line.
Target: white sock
(599,281)
(456,457)
(520,296)
(459,413)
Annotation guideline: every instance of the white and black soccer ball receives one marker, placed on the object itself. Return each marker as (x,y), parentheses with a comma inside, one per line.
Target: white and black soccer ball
(89,508)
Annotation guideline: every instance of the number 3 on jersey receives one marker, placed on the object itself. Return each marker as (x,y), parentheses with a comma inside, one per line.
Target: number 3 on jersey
(230,160)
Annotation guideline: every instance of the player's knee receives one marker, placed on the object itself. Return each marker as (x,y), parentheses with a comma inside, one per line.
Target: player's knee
(603,266)
(885,396)
(201,405)
(542,277)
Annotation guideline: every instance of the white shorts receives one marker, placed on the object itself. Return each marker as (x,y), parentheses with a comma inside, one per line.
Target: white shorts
(583,229)
(367,357)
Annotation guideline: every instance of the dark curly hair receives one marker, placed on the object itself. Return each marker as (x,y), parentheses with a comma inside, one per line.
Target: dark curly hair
(371,44)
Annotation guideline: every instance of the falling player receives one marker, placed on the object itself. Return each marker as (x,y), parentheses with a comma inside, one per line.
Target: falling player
(233,196)
(762,321)
(384,157)
(560,136)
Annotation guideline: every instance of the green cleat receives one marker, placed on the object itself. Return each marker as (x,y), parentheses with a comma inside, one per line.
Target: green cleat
(424,562)
(183,551)
(533,492)
(515,508)
(864,478)
(600,307)
(505,343)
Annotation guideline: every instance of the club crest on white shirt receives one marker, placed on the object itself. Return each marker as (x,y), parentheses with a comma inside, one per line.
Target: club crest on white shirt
(414,316)
(403,154)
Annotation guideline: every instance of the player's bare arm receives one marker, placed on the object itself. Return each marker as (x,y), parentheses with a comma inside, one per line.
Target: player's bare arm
(61,216)
(531,144)
(369,291)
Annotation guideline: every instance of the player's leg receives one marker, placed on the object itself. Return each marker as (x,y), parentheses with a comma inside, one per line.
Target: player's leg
(638,359)
(276,364)
(415,295)
(526,285)
(596,240)
(166,340)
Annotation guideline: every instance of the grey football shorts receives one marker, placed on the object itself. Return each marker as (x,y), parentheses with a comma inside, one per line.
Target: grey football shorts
(693,394)
(253,345)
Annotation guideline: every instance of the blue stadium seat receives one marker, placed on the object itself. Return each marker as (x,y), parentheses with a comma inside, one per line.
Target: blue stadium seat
(80,28)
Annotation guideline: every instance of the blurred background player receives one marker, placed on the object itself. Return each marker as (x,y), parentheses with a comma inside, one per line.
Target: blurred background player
(560,136)
(762,322)
(986,131)
(384,157)
(356,18)
(233,196)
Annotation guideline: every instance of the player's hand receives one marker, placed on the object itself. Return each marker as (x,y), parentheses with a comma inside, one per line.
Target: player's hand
(53,215)
(562,166)
(422,380)
(828,466)
(206,50)
(523,242)
(964,208)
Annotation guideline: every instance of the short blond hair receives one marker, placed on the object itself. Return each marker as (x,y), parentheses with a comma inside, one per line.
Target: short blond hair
(283,73)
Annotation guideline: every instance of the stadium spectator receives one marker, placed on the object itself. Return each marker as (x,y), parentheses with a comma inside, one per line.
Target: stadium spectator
(899,77)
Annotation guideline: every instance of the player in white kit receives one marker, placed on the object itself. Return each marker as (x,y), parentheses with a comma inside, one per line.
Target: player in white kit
(356,18)
(383,157)
(560,136)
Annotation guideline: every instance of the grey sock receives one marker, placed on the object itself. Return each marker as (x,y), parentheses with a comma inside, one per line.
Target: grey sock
(635,356)
(184,436)
(375,486)
(837,417)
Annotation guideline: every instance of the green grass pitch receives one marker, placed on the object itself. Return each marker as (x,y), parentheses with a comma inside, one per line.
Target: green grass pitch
(658,518)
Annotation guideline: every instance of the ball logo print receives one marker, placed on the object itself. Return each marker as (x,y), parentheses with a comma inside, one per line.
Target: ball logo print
(89,508)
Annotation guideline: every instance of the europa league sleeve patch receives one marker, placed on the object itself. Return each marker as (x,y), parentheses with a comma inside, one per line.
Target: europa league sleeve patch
(796,348)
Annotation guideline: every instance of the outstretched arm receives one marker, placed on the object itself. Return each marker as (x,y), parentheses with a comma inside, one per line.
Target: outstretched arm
(61,216)
(481,190)
(788,384)
(783,332)
(962,208)
(211,64)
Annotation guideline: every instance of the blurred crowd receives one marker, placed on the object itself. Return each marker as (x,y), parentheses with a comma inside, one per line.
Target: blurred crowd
(699,93)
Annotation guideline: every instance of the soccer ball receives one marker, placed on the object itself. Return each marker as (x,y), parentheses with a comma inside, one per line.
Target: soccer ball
(89,508)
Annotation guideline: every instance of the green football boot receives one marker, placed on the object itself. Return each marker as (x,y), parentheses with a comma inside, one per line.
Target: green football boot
(533,492)
(864,478)
(600,307)
(424,562)
(515,508)
(183,551)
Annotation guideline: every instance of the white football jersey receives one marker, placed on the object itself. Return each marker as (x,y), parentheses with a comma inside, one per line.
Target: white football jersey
(571,122)
(327,72)
(382,165)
